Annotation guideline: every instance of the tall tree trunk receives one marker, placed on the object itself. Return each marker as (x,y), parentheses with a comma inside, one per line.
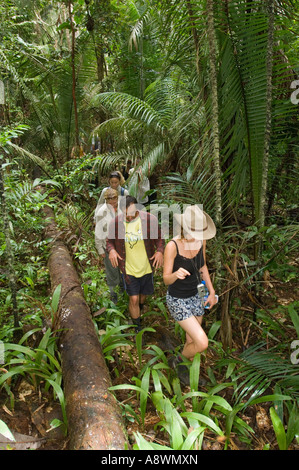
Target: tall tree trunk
(99,52)
(74,76)
(215,110)
(225,316)
(195,35)
(94,22)
(269,68)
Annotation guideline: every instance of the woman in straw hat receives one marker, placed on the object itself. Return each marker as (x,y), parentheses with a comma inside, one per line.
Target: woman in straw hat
(184,268)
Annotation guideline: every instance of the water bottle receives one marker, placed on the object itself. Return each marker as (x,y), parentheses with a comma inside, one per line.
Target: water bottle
(206,295)
(201,289)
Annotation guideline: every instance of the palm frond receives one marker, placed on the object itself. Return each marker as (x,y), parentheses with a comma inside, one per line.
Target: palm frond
(138,28)
(243,92)
(186,190)
(126,105)
(107,161)
(260,368)
(119,126)
(27,155)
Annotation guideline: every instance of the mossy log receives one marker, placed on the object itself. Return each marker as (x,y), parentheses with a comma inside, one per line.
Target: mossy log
(94,417)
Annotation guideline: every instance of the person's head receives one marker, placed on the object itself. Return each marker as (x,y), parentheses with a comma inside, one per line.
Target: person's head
(111,197)
(129,163)
(128,206)
(195,223)
(116,179)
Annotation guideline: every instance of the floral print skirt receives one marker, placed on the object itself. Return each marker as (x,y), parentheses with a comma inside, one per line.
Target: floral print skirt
(181,309)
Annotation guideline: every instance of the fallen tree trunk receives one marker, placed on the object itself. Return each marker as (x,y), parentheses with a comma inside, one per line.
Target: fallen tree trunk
(94,418)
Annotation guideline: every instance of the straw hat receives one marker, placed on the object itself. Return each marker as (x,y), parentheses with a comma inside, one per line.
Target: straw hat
(110,193)
(197,223)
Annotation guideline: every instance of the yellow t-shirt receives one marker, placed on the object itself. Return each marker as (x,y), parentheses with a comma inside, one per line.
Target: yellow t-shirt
(137,263)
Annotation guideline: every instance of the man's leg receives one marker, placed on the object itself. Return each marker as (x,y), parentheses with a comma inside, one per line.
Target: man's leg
(134,310)
(142,298)
(138,289)
(113,278)
(146,288)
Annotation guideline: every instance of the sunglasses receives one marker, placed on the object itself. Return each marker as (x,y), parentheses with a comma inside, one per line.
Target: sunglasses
(111,197)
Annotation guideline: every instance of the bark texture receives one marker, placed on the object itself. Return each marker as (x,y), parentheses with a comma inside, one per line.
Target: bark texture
(94,417)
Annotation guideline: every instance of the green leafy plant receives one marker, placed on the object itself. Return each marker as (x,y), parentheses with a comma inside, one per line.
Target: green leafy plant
(284,438)
(182,436)
(40,365)
(114,339)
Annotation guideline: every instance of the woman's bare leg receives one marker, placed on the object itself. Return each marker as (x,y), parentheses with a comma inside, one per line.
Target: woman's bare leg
(196,338)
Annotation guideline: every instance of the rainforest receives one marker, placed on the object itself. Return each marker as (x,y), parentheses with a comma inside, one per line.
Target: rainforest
(199,99)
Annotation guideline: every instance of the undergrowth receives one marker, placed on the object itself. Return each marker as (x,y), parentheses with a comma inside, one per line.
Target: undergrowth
(258,374)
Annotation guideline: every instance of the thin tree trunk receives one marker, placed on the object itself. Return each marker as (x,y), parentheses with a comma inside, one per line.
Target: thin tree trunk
(94,418)
(215,109)
(74,76)
(195,35)
(99,52)
(269,69)
(100,10)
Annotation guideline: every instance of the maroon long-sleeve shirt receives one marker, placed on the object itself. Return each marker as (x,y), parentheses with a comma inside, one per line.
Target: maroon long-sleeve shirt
(151,233)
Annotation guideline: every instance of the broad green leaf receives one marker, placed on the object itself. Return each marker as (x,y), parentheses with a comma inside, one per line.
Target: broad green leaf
(293,425)
(194,372)
(56,298)
(278,429)
(193,436)
(176,433)
(203,419)
(145,392)
(4,429)
(294,317)
(266,398)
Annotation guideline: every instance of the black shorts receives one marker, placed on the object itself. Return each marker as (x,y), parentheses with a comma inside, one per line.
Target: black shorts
(140,285)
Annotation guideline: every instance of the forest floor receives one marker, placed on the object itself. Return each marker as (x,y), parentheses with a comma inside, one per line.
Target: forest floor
(257,416)
(31,414)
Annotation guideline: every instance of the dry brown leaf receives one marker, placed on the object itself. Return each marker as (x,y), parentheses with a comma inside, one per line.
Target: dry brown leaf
(7,410)
(22,442)
(262,419)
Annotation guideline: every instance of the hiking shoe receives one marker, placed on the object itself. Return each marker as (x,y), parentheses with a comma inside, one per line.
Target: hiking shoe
(136,324)
(175,362)
(113,297)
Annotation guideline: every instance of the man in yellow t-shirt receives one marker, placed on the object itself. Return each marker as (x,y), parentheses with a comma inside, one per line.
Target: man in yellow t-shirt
(135,244)
(137,262)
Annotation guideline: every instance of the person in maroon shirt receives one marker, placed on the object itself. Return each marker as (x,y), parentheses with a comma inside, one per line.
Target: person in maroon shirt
(136,287)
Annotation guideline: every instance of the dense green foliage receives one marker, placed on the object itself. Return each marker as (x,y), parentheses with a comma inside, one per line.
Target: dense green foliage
(206,93)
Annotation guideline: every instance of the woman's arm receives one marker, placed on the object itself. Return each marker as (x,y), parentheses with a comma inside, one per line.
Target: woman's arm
(170,277)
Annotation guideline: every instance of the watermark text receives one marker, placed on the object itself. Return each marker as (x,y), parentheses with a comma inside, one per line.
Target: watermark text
(295,94)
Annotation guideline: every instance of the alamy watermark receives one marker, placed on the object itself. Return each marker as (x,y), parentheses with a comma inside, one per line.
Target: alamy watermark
(168,216)
(1,352)
(295,94)
(295,354)
(2,94)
